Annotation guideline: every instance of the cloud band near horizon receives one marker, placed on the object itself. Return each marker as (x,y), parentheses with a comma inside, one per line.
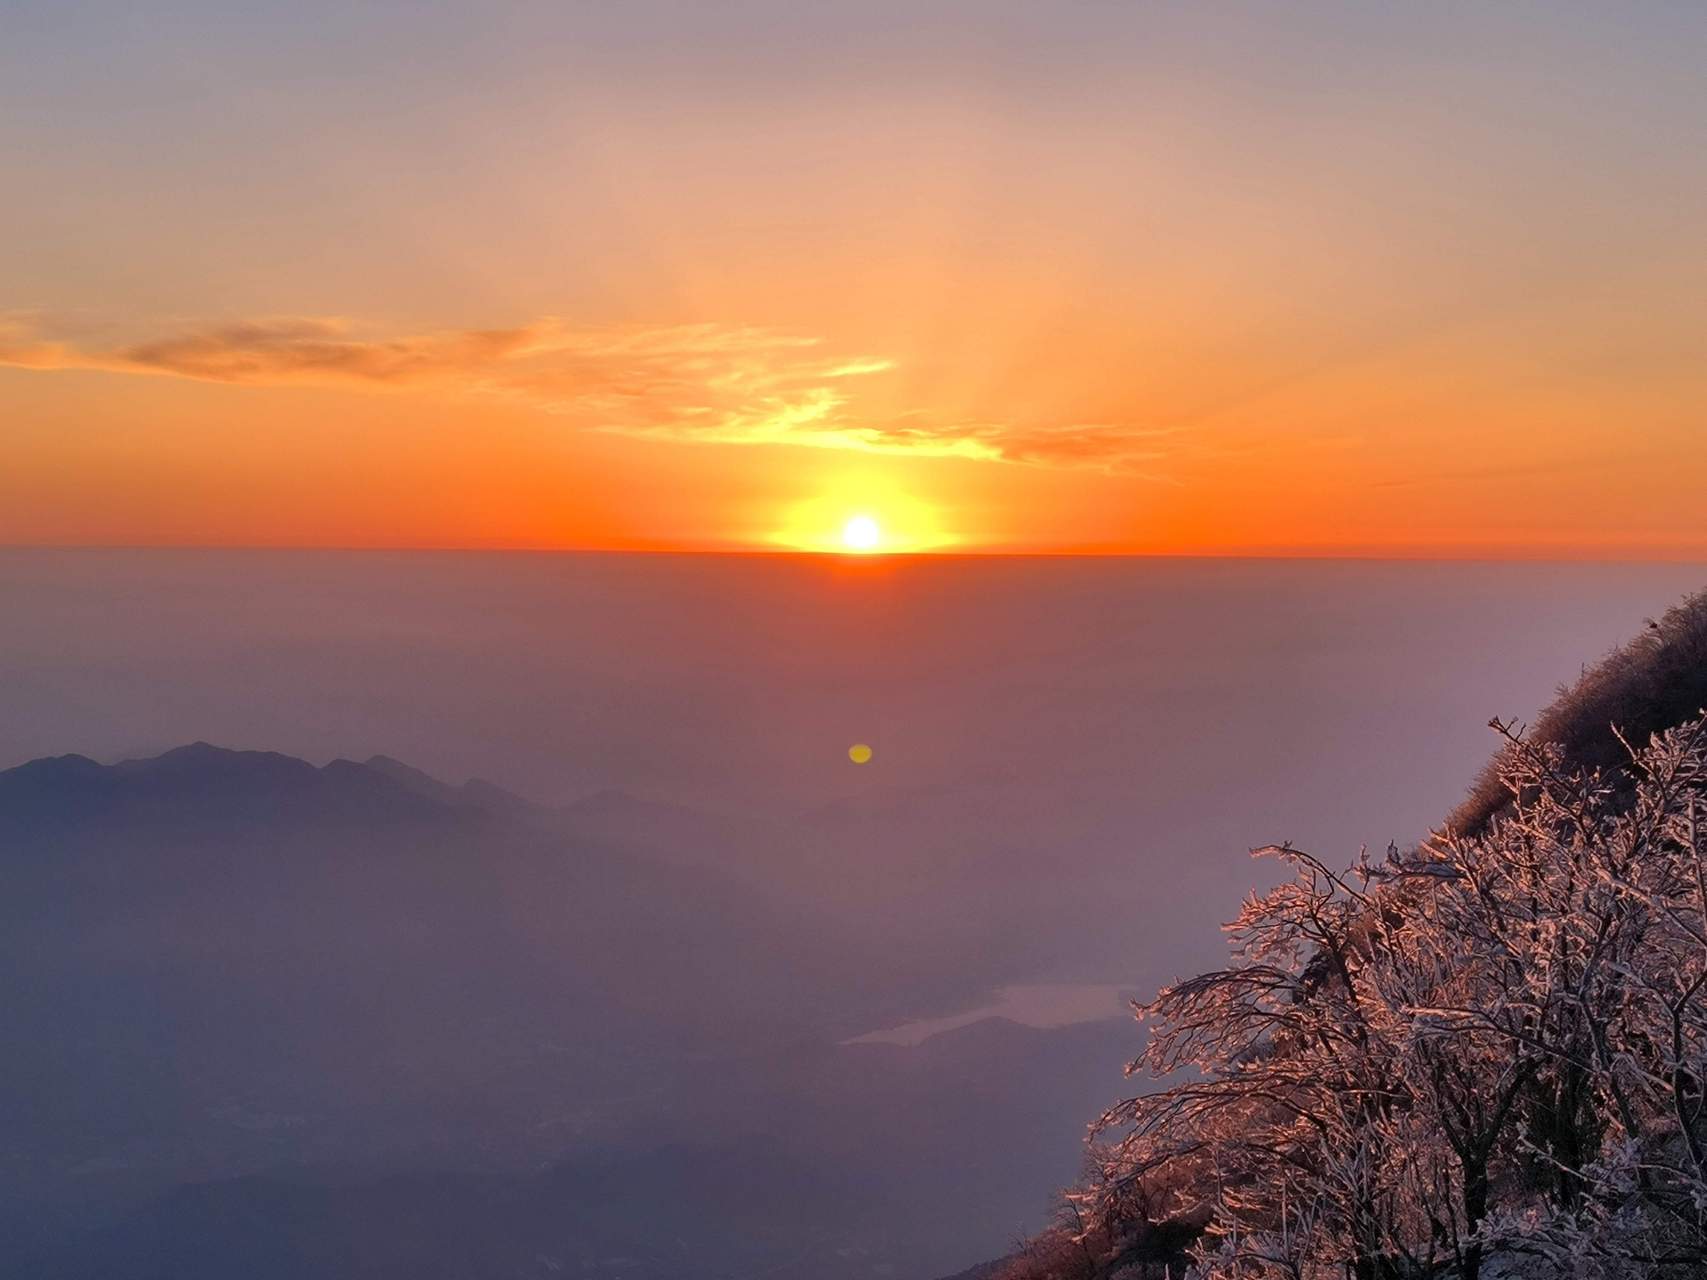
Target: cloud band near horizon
(696,383)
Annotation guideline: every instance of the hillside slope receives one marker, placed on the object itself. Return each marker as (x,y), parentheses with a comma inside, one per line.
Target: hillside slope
(1652,683)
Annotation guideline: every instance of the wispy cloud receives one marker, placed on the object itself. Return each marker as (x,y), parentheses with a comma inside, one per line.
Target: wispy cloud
(693,383)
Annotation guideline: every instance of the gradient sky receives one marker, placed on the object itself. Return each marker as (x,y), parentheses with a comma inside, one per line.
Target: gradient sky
(1200,278)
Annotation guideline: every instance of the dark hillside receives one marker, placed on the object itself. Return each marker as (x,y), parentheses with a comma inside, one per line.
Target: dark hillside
(1645,686)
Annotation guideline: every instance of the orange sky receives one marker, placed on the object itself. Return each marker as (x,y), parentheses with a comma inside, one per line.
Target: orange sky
(1145,281)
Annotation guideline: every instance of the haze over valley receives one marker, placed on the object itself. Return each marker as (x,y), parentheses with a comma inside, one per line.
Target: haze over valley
(458,940)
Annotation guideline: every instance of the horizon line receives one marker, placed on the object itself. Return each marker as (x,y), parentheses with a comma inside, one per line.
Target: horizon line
(1388,555)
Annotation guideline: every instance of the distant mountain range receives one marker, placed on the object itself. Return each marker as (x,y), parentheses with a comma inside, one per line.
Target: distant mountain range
(279,1020)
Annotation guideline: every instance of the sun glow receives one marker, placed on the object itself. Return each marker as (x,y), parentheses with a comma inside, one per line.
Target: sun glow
(871,518)
(862,534)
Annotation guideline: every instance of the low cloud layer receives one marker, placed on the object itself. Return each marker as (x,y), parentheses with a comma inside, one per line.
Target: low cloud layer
(691,383)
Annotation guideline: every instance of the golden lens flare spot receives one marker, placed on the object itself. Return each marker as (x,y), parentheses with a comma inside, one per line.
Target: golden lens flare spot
(859,753)
(861,533)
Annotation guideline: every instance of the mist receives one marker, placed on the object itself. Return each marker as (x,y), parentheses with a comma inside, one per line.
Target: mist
(669,935)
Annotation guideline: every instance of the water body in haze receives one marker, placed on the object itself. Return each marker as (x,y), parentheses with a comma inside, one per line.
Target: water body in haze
(1038,1004)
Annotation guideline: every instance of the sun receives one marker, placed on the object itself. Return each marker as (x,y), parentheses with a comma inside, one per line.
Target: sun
(862,534)
(865,517)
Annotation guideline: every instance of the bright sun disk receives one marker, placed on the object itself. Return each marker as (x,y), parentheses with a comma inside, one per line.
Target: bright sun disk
(861,533)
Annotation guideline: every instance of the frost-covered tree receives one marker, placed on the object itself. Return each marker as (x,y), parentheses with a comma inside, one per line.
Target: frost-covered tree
(1484,1057)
